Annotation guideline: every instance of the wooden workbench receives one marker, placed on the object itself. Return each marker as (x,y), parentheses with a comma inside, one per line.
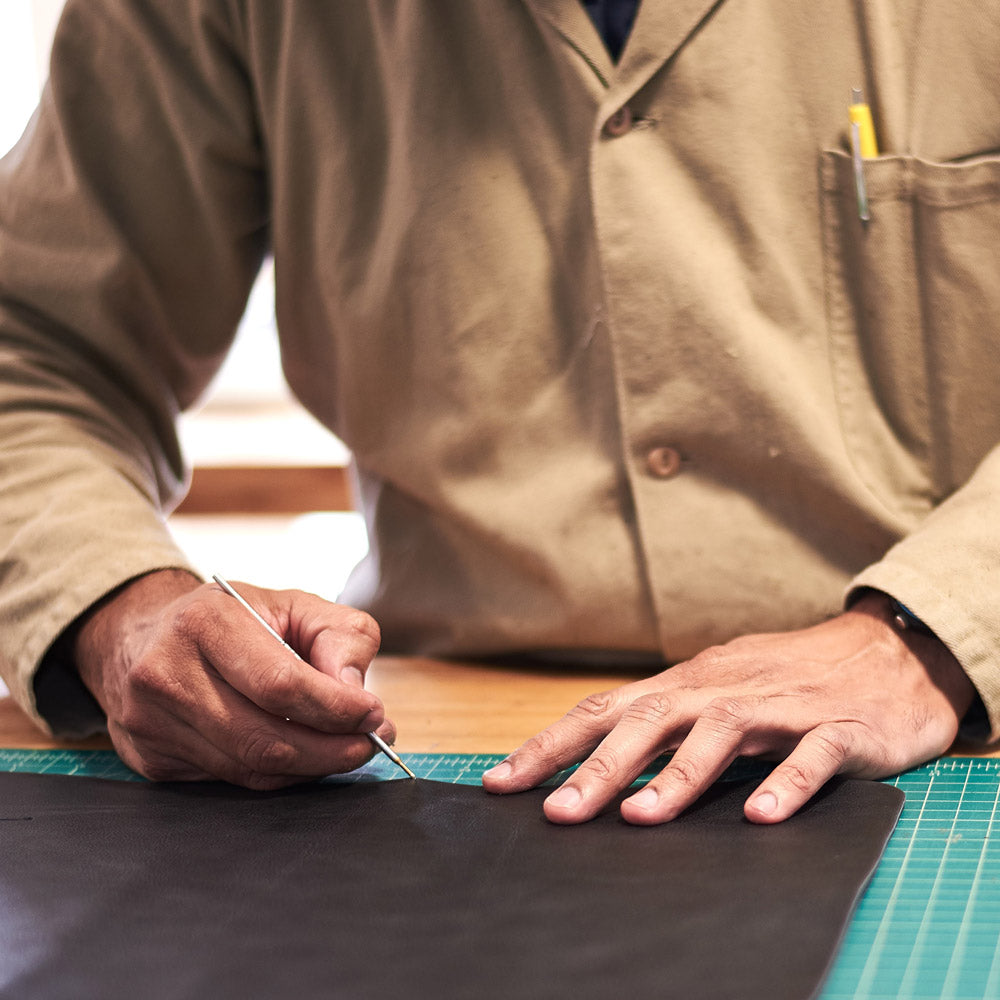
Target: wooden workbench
(441,706)
(437,706)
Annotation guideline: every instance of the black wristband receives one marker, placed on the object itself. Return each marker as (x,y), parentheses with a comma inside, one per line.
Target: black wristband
(905,620)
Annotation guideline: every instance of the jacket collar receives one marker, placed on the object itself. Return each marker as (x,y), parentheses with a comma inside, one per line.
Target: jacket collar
(661,28)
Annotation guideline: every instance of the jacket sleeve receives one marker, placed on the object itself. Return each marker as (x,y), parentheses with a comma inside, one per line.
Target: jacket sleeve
(947,572)
(133,219)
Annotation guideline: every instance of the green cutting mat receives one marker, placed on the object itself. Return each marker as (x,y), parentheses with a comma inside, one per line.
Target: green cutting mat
(928,928)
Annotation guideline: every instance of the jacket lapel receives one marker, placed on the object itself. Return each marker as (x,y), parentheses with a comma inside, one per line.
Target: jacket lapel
(661,28)
(571,21)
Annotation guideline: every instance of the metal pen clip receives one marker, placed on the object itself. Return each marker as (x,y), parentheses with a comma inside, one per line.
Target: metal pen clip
(859,173)
(863,147)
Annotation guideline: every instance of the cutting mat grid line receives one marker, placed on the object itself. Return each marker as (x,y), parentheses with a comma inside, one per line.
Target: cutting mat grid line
(928,926)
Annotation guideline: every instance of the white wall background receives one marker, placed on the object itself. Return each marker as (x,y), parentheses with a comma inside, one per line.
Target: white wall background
(26,28)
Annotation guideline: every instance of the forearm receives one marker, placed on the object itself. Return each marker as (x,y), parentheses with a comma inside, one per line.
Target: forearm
(120,291)
(73,531)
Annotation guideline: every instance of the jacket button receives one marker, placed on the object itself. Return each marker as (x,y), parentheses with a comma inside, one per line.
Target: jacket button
(619,123)
(662,463)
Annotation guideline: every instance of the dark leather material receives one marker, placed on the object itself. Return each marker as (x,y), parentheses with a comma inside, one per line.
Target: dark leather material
(401,889)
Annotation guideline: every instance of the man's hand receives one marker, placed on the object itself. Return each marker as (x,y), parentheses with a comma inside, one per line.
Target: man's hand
(849,696)
(194,688)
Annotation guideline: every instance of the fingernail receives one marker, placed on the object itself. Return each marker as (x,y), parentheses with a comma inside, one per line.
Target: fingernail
(765,803)
(502,770)
(372,720)
(645,799)
(352,676)
(564,797)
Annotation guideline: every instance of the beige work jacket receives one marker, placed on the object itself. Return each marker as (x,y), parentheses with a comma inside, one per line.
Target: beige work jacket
(621,367)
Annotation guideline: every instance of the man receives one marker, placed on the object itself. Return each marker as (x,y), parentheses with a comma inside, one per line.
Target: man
(624,374)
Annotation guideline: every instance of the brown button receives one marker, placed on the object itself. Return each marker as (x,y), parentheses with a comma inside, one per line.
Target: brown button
(663,462)
(619,123)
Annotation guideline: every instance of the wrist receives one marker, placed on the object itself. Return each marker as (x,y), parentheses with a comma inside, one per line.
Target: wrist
(905,620)
(102,633)
(893,612)
(924,644)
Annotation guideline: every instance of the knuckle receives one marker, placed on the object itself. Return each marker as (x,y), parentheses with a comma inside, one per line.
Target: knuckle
(198,618)
(363,627)
(832,742)
(712,656)
(729,712)
(352,638)
(604,764)
(799,776)
(736,661)
(543,746)
(156,769)
(595,706)
(684,773)
(147,679)
(150,763)
(652,709)
(822,752)
(262,782)
(277,685)
(144,697)
(263,754)
(136,721)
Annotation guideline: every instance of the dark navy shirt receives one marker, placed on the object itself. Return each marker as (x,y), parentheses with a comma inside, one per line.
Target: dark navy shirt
(613,19)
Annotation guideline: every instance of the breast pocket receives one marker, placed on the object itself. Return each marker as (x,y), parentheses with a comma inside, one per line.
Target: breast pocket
(913,308)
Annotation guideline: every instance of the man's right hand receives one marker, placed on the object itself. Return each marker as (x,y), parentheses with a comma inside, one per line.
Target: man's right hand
(194,688)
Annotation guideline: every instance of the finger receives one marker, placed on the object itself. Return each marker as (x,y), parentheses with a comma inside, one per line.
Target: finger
(257,755)
(710,747)
(154,765)
(273,760)
(562,744)
(333,638)
(260,743)
(336,640)
(647,726)
(215,729)
(281,683)
(821,753)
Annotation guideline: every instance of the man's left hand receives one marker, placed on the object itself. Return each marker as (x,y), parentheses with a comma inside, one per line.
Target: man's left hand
(852,695)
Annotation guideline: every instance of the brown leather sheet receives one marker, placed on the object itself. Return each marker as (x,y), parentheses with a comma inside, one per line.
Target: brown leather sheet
(401,889)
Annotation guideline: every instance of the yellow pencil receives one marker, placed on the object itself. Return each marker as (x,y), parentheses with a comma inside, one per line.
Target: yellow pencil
(861,115)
